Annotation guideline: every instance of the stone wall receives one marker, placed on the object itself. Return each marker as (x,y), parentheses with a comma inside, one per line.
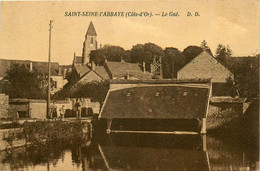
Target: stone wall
(4,105)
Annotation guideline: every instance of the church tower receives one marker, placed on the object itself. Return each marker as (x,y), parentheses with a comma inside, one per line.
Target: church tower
(89,44)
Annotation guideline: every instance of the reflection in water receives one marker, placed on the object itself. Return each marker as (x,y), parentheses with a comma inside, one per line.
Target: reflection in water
(155,152)
(131,152)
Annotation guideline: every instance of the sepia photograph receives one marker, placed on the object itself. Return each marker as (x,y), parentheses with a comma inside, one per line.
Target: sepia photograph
(129,85)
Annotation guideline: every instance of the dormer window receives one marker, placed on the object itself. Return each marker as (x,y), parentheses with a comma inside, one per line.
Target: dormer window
(157,94)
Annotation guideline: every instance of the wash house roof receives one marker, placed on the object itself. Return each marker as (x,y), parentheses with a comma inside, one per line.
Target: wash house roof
(157,101)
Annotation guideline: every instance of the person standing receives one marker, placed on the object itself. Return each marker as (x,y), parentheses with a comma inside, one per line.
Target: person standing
(78,109)
(62,112)
(54,110)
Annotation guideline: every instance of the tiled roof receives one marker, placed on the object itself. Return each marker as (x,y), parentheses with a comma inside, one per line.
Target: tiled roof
(121,69)
(41,67)
(156,101)
(82,69)
(91,30)
(101,71)
(77,59)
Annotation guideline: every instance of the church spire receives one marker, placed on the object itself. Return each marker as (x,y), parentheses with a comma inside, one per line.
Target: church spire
(91,30)
(89,44)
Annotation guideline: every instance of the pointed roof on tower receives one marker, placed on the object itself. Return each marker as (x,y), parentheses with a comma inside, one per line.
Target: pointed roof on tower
(91,30)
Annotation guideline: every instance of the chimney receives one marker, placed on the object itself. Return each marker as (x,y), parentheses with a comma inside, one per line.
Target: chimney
(152,68)
(64,72)
(93,65)
(144,66)
(74,59)
(31,67)
(59,72)
(128,76)
(100,46)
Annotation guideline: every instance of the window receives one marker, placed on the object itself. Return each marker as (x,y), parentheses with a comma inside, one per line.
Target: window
(55,84)
(157,94)
(92,41)
(128,94)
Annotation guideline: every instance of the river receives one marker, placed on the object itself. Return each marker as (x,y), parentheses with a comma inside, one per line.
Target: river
(136,152)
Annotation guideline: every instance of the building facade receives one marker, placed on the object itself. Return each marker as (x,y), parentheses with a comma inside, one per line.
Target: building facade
(205,66)
(58,73)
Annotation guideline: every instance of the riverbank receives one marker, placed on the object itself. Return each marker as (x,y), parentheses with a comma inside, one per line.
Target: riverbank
(44,133)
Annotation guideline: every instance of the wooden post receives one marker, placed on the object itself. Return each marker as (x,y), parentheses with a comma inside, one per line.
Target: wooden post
(49,73)
(203,126)
(204,142)
(109,123)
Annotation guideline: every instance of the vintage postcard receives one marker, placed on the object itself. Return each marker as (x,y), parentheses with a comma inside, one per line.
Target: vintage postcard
(129,85)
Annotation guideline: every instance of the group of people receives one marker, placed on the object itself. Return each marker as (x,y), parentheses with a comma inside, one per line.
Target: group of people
(54,113)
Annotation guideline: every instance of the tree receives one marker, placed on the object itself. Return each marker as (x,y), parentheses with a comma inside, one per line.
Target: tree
(20,82)
(246,73)
(98,56)
(223,53)
(204,46)
(145,53)
(191,52)
(173,61)
(111,53)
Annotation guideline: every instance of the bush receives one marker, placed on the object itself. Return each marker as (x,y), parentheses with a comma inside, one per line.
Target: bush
(44,133)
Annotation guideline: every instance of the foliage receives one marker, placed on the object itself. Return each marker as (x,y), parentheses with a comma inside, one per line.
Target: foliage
(111,53)
(204,46)
(191,52)
(96,90)
(173,61)
(12,135)
(20,82)
(247,79)
(145,53)
(223,53)
(45,133)
(246,75)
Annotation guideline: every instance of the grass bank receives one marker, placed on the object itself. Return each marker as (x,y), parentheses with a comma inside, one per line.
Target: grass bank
(46,133)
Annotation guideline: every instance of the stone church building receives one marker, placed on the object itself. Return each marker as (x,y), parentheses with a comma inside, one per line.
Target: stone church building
(83,70)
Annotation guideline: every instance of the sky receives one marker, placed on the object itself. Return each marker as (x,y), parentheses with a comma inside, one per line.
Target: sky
(24,26)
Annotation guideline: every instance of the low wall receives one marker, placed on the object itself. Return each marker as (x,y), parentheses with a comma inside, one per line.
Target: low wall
(4,105)
(234,108)
(223,110)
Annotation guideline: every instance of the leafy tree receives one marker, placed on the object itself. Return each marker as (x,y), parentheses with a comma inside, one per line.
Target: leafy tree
(20,82)
(145,53)
(204,46)
(98,56)
(223,53)
(173,61)
(111,53)
(191,52)
(246,73)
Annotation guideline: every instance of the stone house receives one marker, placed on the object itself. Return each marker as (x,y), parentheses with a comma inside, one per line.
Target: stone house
(58,73)
(205,66)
